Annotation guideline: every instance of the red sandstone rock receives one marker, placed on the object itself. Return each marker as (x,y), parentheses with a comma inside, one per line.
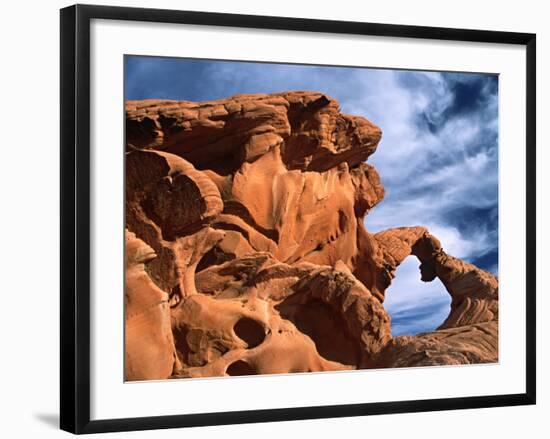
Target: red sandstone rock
(149,344)
(475,343)
(254,208)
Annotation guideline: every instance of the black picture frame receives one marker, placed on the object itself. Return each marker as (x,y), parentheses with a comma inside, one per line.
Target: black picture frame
(75,217)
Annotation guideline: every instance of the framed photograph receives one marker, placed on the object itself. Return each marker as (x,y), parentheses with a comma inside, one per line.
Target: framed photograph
(273,218)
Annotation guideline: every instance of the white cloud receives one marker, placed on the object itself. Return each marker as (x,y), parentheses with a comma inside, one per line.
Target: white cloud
(408,296)
(457,245)
(428,175)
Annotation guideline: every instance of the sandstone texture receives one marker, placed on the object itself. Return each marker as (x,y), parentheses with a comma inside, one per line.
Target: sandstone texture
(246,251)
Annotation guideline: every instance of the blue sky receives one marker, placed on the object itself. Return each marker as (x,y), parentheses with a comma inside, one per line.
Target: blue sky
(438,158)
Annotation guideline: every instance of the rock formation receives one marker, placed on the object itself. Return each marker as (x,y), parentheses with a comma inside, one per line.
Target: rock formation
(246,250)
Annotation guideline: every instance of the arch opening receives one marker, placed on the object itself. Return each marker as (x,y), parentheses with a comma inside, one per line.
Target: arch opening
(413,305)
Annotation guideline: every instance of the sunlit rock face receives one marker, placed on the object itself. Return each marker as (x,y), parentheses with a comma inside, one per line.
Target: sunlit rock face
(247,252)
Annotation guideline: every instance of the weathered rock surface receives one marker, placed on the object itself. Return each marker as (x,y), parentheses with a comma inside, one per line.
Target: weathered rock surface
(222,135)
(247,253)
(469,344)
(149,344)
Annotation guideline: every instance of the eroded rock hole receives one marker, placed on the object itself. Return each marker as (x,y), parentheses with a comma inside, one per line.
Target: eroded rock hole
(414,305)
(175,296)
(342,221)
(250,331)
(140,133)
(215,256)
(240,368)
(167,122)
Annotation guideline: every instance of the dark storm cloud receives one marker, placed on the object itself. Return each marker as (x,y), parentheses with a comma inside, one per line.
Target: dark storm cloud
(438,158)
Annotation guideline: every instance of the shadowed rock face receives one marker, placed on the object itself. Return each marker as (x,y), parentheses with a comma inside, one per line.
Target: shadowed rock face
(251,212)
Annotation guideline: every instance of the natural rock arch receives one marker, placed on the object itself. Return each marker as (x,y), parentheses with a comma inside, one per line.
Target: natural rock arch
(474,292)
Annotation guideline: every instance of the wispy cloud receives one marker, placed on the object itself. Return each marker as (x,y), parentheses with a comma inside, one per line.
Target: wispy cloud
(437,158)
(413,305)
(444,172)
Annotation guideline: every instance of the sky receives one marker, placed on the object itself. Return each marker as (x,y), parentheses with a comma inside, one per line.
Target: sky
(438,157)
